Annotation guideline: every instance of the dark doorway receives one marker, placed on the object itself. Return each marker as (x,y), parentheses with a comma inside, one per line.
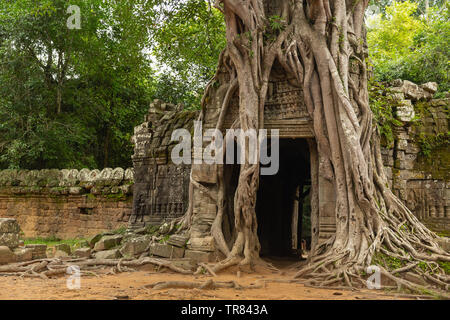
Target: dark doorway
(282,206)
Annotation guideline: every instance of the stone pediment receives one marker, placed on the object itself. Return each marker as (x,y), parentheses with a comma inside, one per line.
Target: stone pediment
(284,109)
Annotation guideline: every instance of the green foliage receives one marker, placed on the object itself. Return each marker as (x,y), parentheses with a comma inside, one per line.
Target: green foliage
(53,240)
(187,40)
(383,105)
(70,98)
(391,263)
(165,238)
(120,230)
(428,143)
(277,23)
(411,46)
(151,229)
(445,265)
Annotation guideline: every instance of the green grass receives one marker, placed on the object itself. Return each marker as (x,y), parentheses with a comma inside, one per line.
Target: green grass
(445,266)
(389,262)
(121,230)
(52,241)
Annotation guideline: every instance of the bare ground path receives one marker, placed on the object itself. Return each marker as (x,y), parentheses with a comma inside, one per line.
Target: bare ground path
(131,285)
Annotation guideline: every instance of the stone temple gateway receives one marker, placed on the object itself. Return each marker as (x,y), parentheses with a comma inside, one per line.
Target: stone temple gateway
(284,213)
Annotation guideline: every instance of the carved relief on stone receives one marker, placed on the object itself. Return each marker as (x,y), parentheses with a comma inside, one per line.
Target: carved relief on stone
(284,101)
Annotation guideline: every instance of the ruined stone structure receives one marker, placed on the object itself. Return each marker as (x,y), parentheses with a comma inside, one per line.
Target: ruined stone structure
(422,182)
(66,203)
(161,189)
(72,203)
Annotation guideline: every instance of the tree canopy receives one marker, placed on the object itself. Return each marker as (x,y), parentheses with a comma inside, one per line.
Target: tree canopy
(406,43)
(71,97)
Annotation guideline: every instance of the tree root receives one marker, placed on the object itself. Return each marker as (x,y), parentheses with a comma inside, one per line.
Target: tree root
(45,268)
(207,285)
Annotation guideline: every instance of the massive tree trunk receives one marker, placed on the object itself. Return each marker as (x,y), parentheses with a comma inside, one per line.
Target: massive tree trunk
(316,42)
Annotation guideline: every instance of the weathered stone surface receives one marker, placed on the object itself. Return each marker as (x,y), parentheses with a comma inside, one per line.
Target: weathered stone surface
(431,87)
(411,90)
(75,190)
(202,244)
(117,176)
(201,256)
(63,247)
(60,254)
(68,178)
(39,250)
(10,240)
(93,240)
(178,240)
(59,206)
(108,254)
(164,229)
(6,255)
(9,233)
(9,226)
(160,188)
(23,254)
(129,175)
(108,242)
(38,180)
(405,111)
(82,253)
(166,251)
(135,246)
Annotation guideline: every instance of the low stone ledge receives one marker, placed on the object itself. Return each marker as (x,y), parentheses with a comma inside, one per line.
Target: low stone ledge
(67,181)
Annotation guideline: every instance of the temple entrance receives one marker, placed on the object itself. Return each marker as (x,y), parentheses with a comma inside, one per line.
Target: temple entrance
(282,207)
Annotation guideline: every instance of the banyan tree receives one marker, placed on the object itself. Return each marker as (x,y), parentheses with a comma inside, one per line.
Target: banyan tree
(317,49)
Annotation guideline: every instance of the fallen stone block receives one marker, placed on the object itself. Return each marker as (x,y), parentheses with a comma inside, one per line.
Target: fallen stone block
(9,233)
(92,241)
(82,253)
(202,244)
(23,254)
(135,246)
(39,250)
(405,111)
(166,251)
(108,254)
(60,254)
(108,242)
(430,87)
(411,90)
(63,247)
(201,256)
(8,225)
(6,255)
(10,240)
(178,240)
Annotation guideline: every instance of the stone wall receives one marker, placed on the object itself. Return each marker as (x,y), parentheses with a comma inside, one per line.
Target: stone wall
(161,188)
(421,180)
(66,203)
(423,185)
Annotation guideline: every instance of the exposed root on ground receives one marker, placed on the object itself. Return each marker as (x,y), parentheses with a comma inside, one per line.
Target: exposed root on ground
(45,268)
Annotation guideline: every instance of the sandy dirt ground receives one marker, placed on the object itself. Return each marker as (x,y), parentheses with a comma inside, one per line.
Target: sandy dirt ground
(131,286)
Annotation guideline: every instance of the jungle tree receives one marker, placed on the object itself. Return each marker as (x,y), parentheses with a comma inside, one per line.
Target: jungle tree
(317,42)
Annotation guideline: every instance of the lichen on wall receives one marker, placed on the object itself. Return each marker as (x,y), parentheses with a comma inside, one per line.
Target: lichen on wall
(418,159)
(66,203)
